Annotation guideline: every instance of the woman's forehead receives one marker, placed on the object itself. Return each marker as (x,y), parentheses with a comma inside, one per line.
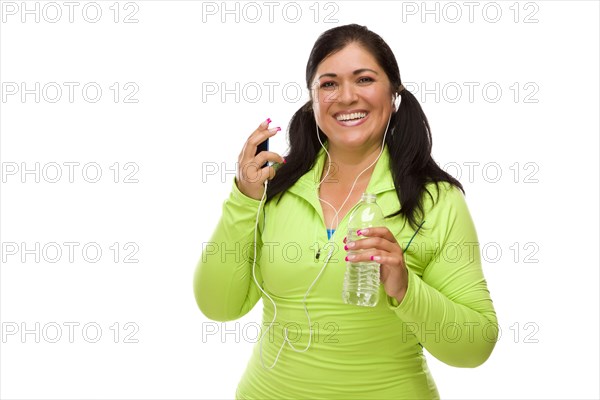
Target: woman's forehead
(348,61)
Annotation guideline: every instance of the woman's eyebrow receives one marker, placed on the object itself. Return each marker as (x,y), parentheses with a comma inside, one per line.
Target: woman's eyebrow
(356,72)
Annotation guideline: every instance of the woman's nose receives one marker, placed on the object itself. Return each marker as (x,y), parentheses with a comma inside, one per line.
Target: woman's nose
(347,94)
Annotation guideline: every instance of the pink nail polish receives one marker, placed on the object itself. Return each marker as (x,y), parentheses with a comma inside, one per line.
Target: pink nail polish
(346,248)
(268,120)
(358,232)
(284,160)
(278,129)
(346,258)
(372,258)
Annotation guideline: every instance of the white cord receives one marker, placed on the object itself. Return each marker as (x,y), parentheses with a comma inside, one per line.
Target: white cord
(257,284)
(337,212)
(286,339)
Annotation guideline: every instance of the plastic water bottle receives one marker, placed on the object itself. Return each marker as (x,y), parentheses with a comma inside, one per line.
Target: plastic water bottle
(361,282)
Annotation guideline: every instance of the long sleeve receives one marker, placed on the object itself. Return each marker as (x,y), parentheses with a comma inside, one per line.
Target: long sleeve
(223,284)
(449,308)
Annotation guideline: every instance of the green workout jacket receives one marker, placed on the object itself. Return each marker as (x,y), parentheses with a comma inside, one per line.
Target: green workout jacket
(356,352)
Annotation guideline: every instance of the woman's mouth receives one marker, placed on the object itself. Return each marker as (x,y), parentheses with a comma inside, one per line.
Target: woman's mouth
(351,118)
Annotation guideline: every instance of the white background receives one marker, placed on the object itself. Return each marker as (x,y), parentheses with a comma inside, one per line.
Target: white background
(183,142)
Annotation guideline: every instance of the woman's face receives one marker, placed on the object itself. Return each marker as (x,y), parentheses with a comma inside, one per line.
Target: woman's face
(352,99)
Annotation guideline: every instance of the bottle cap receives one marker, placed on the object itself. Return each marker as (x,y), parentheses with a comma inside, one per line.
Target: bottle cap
(368,197)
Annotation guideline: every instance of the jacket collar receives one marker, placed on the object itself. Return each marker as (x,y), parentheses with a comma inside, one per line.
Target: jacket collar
(381,181)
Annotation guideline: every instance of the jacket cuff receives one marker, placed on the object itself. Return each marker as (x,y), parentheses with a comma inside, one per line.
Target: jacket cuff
(393,304)
(240,198)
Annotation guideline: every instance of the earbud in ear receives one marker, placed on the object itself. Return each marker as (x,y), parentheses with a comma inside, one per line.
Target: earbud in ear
(396,102)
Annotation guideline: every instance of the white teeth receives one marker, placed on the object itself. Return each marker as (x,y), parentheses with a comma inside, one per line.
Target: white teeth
(346,117)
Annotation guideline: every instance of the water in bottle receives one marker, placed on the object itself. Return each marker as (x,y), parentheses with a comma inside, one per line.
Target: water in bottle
(361,282)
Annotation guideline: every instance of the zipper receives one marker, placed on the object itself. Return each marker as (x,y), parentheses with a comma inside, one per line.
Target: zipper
(324,229)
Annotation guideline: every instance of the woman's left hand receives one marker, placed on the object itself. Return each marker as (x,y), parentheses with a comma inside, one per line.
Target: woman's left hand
(381,246)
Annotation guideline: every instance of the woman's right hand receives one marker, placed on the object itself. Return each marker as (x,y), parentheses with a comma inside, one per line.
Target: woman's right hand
(250,177)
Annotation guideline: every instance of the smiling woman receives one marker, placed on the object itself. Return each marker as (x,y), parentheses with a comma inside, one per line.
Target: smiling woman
(359,81)
(352,137)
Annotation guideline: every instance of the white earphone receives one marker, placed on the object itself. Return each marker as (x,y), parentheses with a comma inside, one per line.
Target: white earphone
(396,99)
(330,253)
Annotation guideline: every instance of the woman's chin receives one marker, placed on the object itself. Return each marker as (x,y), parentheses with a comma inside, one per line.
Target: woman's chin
(352,143)
(353,140)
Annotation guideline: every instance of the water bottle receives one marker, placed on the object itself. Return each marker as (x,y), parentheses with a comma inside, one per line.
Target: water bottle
(361,282)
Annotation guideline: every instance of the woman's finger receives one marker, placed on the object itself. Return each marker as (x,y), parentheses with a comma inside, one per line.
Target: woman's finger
(262,133)
(380,257)
(380,231)
(253,171)
(264,156)
(372,243)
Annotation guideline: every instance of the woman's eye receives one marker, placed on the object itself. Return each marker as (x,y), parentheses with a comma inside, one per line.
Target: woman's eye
(325,85)
(365,79)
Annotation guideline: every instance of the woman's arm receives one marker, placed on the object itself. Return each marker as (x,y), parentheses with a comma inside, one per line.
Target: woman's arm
(449,307)
(223,284)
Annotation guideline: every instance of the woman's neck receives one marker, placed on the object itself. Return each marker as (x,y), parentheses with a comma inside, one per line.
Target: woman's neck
(347,165)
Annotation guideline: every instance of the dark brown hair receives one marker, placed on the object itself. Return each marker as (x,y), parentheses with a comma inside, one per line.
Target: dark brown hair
(409,138)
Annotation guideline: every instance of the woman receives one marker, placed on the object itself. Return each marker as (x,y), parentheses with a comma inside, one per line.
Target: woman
(347,140)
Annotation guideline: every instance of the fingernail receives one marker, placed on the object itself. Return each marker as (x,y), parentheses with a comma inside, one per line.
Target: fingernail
(346,247)
(274,130)
(345,237)
(346,258)
(359,232)
(350,245)
(268,120)
(376,258)
(284,160)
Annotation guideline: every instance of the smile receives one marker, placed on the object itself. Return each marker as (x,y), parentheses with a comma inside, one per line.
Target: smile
(351,118)
(346,117)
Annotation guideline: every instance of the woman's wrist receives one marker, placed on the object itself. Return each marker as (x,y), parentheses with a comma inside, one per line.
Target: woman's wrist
(399,296)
